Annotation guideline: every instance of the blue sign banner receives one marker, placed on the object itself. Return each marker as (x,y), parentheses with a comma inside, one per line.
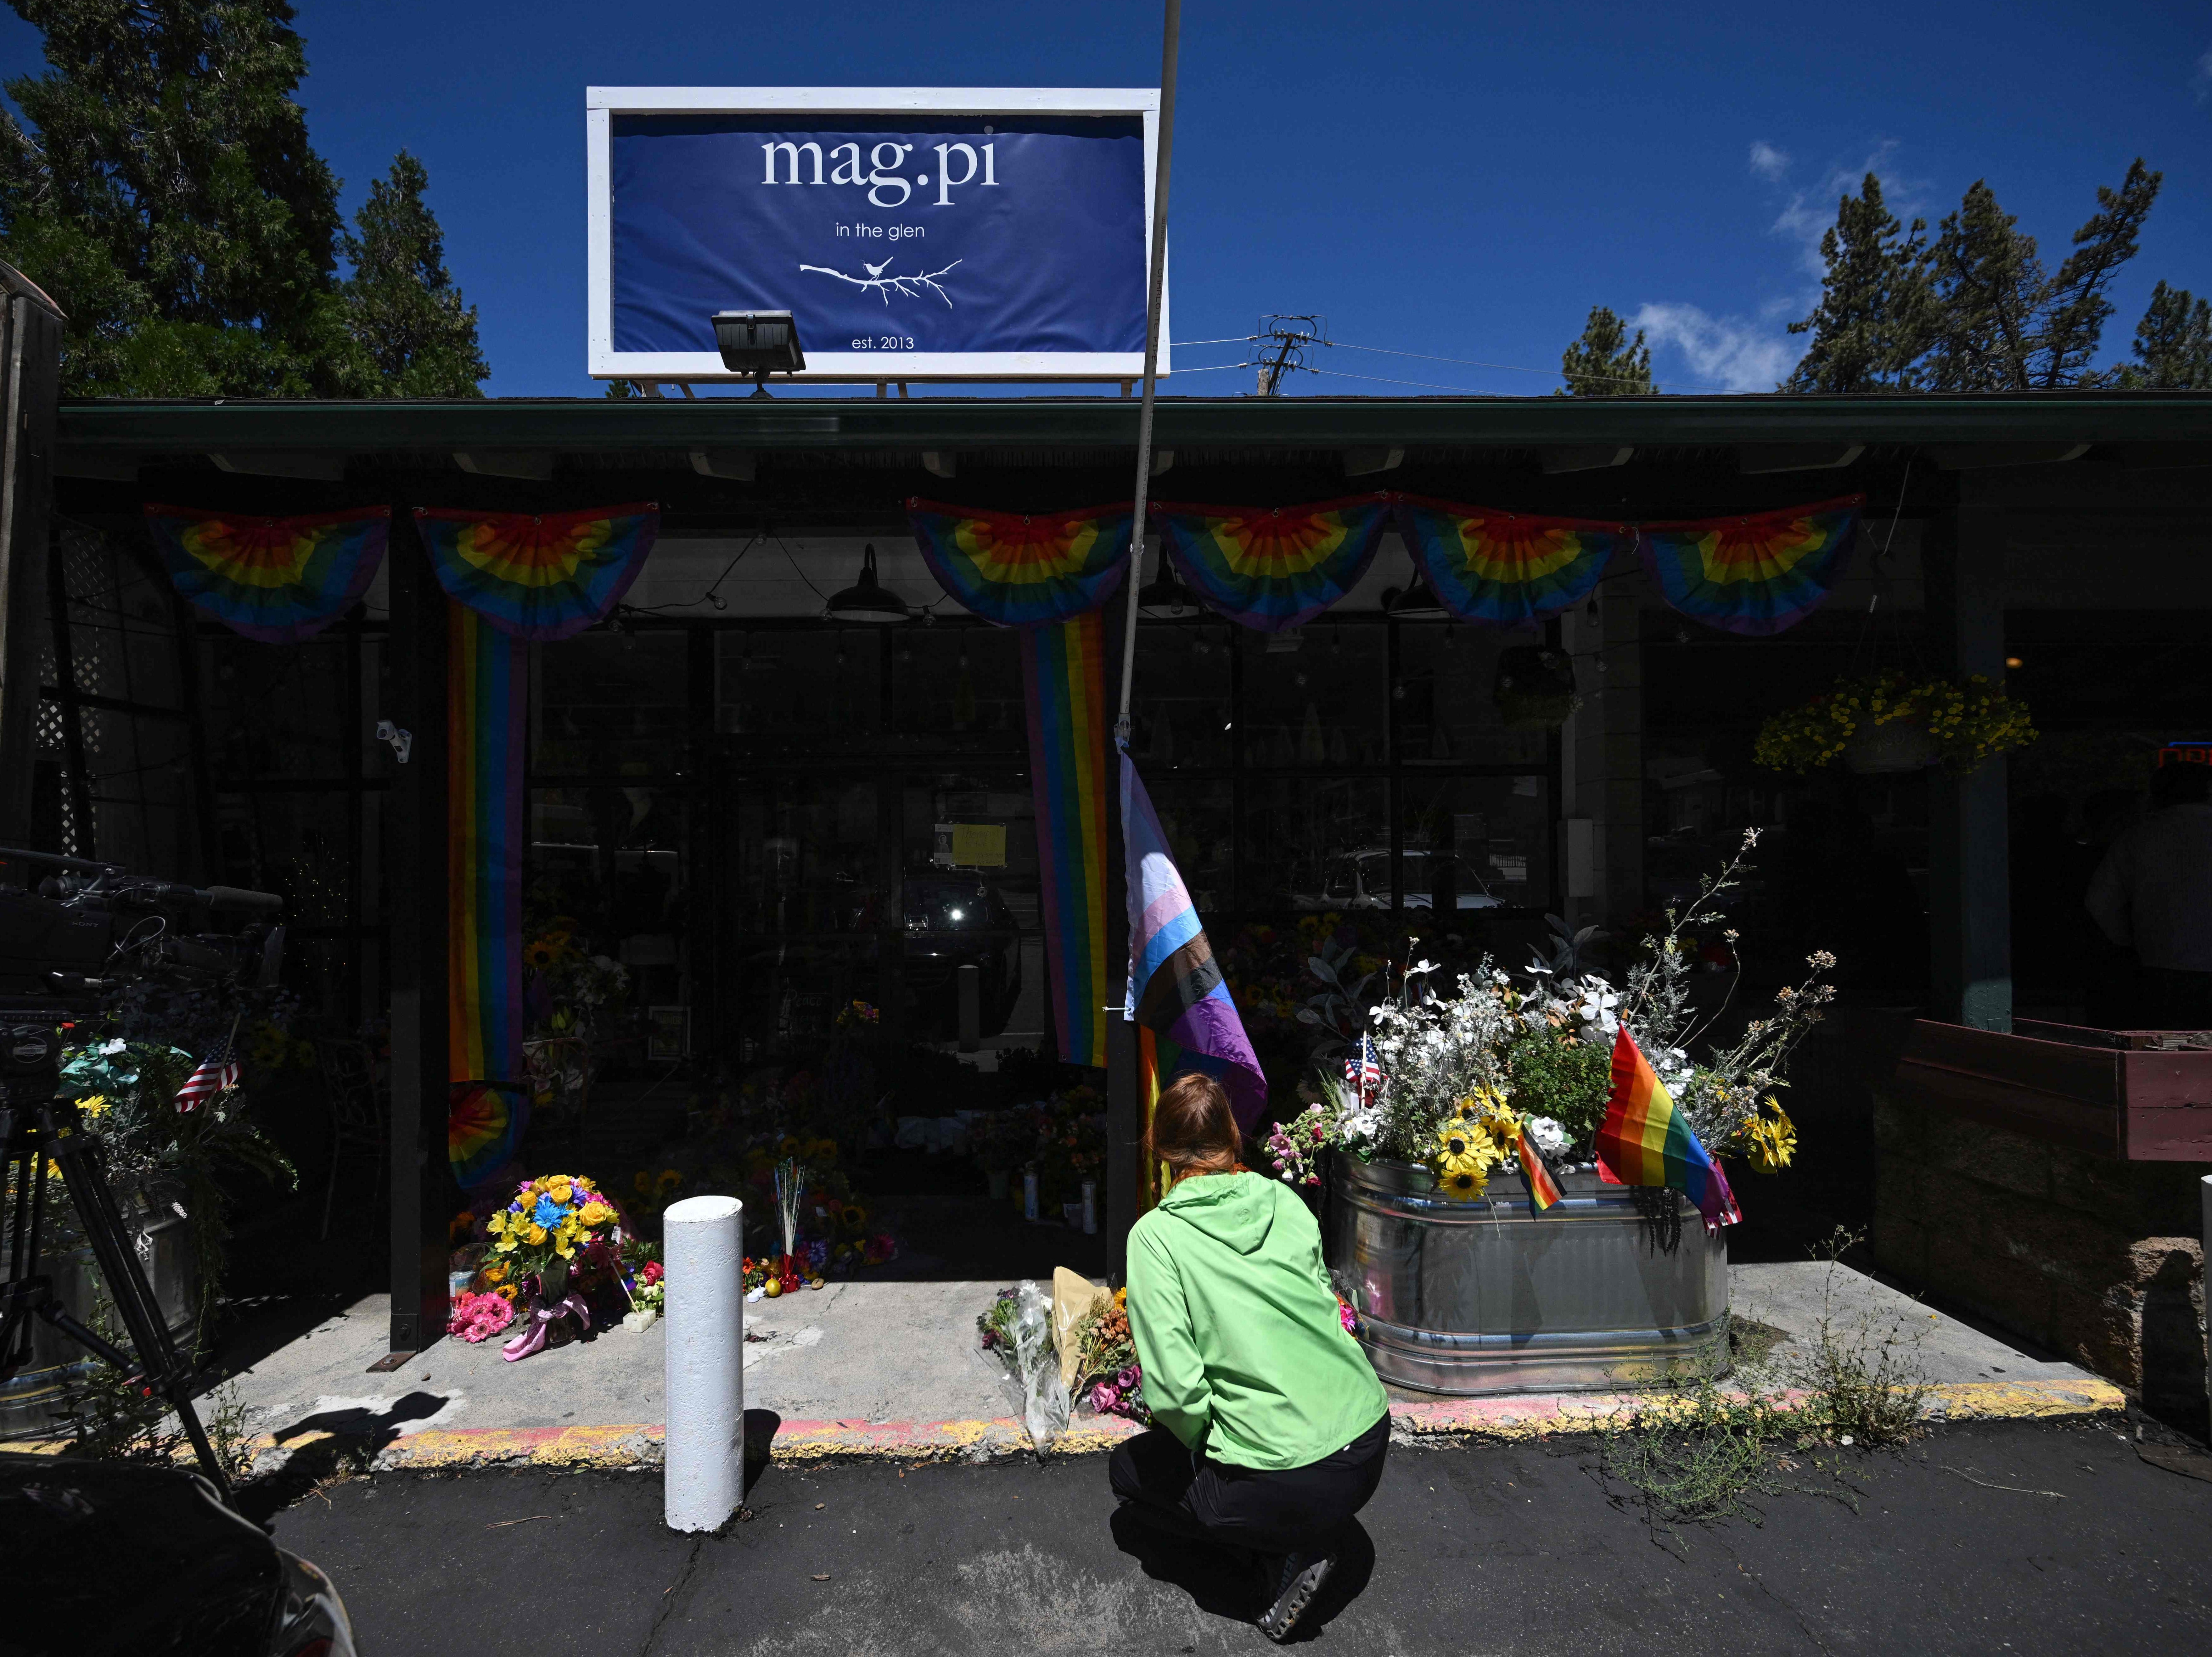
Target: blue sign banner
(887,237)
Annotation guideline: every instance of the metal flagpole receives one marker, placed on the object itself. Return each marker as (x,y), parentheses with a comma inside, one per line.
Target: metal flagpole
(1154,283)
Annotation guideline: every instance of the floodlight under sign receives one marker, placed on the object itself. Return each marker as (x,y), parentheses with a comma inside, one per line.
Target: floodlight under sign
(759,343)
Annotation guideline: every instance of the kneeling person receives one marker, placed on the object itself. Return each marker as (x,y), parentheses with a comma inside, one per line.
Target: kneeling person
(1271,1425)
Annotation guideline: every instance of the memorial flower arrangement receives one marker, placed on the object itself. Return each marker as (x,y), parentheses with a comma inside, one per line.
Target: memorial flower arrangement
(1966,720)
(1451,1079)
(1108,1376)
(478,1317)
(553,1227)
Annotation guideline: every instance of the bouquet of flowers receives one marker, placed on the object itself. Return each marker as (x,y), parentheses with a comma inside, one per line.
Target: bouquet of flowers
(551,1227)
(1108,1375)
(1463,1074)
(476,1317)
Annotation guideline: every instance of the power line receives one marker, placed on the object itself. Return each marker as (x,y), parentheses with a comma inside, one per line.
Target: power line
(1512,368)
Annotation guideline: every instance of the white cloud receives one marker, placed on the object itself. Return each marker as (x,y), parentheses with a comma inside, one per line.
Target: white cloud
(1808,213)
(1770,163)
(1727,352)
(2201,82)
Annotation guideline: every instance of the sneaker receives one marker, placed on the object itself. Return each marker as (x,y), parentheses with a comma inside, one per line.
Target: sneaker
(1298,1579)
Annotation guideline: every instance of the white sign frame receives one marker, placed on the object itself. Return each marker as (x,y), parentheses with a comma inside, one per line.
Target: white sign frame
(851,367)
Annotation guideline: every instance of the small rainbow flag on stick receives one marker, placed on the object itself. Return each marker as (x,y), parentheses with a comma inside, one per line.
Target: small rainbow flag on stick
(1646,1140)
(1543,1189)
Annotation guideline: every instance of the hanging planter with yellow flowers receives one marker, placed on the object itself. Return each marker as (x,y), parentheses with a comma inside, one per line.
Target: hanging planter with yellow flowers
(1897,722)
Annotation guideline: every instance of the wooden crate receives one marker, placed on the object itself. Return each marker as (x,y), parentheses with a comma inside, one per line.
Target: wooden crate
(2142,1095)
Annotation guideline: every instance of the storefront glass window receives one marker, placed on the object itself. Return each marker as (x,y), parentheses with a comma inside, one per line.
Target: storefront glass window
(1316,843)
(968,898)
(612,705)
(957,681)
(1199,816)
(1182,716)
(1314,697)
(1476,843)
(801,686)
(1447,712)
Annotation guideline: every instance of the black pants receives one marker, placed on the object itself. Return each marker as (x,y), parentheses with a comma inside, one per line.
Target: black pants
(1209,1500)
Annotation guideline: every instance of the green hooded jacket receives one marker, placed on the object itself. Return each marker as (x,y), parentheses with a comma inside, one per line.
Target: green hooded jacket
(1236,1328)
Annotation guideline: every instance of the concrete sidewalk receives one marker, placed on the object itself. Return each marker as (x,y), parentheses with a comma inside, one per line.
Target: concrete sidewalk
(890,1368)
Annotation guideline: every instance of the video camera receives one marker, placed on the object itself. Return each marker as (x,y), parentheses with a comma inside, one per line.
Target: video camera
(91,928)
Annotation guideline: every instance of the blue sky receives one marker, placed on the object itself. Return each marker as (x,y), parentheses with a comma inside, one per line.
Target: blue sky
(1449,180)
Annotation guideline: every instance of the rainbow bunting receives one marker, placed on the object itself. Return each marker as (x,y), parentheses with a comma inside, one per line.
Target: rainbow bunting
(1752,575)
(1646,1140)
(1023,569)
(278,579)
(1176,985)
(1064,673)
(1272,568)
(544,576)
(1505,568)
(1543,1189)
(487,721)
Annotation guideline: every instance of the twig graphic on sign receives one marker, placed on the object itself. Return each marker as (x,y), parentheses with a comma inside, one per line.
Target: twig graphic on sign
(911,287)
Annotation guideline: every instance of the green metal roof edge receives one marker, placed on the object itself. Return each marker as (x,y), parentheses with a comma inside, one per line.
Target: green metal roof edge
(951,422)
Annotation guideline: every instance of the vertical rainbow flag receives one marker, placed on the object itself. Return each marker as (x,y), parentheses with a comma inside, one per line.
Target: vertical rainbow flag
(1646,1140)
(1543,1189)
(1159,1060)
(1176,990)
(487,709)
(1754,575)
(1064,674)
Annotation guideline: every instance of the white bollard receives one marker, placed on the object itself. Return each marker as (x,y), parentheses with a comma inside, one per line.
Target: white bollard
(703,1255)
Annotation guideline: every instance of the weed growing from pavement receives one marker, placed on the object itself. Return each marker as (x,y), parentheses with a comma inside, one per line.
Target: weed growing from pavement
(1863,1386)
(1698,1451)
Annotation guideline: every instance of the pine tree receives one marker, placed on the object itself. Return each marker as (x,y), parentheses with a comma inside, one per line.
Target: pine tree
(1605,361)
(401,305)
(2173,344)
(1990,284)
(2076,305)
(170,201)
(1872,324)
(2005,326)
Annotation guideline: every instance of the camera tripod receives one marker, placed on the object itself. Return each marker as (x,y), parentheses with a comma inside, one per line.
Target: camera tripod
(38,1130)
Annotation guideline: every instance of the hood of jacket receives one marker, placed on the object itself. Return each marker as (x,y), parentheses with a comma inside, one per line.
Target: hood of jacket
(1237,1211)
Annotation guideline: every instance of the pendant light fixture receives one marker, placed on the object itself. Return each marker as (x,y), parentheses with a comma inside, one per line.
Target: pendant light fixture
(867,599)
(1414,604)
(1165,598)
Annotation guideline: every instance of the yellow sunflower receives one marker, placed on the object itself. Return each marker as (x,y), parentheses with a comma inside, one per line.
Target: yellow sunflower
(1772,1139)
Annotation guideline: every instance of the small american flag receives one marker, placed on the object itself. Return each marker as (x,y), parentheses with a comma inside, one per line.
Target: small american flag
(216,1071)
(1365,1073)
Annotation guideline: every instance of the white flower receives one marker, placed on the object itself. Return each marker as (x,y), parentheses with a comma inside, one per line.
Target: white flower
(1551,1138)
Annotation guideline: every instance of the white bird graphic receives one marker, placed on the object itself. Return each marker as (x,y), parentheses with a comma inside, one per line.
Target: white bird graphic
(907,287)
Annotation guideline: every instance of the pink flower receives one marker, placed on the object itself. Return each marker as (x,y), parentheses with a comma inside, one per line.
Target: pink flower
(1348,1318)
(652,1272)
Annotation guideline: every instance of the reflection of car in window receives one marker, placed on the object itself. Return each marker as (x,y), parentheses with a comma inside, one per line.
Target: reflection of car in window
(954,921)
(1361,880)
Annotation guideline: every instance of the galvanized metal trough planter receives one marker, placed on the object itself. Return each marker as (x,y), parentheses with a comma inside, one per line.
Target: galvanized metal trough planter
(1473,1298)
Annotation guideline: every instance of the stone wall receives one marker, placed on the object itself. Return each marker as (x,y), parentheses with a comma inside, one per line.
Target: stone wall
(2098,1258)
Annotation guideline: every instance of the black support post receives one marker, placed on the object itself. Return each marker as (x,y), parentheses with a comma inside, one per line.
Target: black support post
(423,1192)
(1969,884)
(30,382)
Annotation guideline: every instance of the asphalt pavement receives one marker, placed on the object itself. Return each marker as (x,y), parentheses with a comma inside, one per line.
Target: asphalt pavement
(2029,1537)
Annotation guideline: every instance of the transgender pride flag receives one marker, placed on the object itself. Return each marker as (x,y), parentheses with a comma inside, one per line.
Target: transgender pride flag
(1176,989)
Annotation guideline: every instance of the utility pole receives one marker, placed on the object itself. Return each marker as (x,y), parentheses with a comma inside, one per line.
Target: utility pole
(1283,341)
